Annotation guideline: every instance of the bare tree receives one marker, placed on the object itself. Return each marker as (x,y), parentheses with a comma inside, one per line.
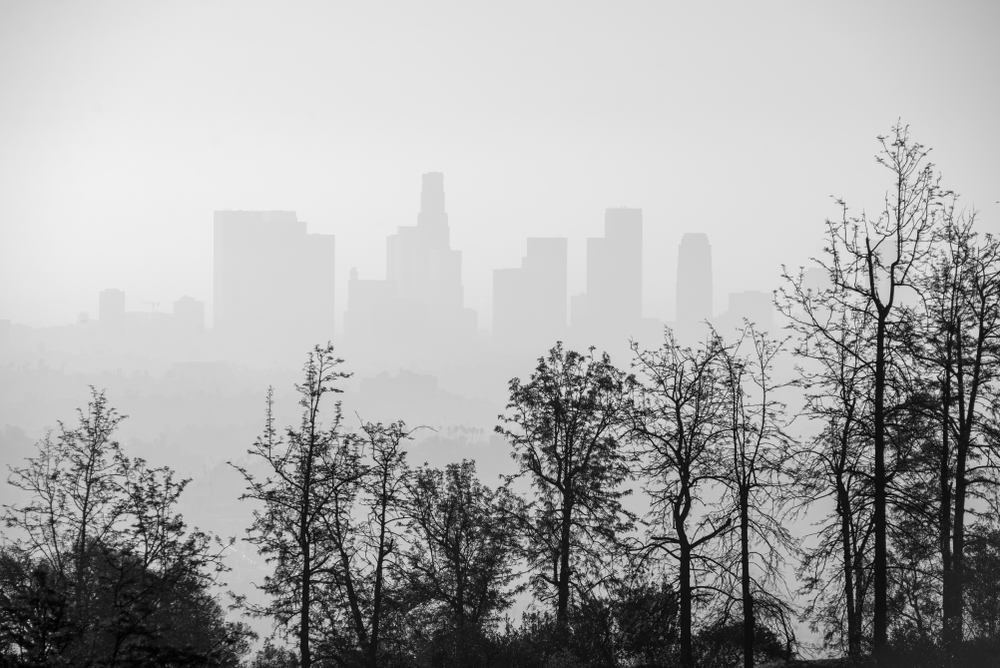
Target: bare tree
(74,484)
(678,427)
(835,465)
(566,426)
(364,534)
(308,468)
(873,264)
(961,345)
(754,423)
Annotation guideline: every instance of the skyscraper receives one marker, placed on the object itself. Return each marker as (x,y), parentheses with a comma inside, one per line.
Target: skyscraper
(755,306)
(419,260)
(273,284)
(694,280)
(612,306)
(529,302)
(416,313)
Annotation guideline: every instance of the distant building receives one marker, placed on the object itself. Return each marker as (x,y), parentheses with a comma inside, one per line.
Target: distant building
(273,283)
(111,308)
(694,280)
(417,311)
(371,320)
(189,316)
(752,305)
(420,263)
(611,308)
(529,302)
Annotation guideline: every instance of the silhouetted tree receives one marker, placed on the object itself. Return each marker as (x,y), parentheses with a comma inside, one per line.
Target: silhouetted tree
(272,656)
(720,645)
(754,423)
(982,586)
(308,470)
(678,427)
(371,550)
(835,465)
(961,346)
(463,542)
(873,264)
(35,623)
(74,484)
(106,571)
(566,426)
(633,622)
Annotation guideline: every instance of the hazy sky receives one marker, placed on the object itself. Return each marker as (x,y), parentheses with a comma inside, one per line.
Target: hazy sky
(124,125)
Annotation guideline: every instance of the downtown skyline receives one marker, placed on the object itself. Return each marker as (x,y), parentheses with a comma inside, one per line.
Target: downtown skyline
(741,124)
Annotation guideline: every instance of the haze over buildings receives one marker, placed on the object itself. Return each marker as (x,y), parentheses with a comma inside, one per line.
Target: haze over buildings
(612,305)
(694,281)
(274,298)
(416,314)
(727,130)
(274,289)
(273,283)
(529,302)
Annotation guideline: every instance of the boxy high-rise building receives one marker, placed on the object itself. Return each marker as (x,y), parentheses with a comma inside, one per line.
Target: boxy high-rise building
(273,288)
(694,280)
(529,302)
(611,309)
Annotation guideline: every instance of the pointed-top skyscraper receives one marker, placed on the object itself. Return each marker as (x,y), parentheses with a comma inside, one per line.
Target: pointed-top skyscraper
(419,259)
(417,312)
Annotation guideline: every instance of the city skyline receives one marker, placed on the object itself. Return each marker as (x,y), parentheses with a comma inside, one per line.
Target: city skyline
(488,235)
(259,255)
(727,123)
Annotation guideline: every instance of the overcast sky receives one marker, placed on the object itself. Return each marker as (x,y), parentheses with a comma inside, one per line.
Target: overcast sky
(124,125)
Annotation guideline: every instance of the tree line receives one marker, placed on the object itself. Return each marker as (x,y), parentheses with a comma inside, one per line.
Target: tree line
(647,523)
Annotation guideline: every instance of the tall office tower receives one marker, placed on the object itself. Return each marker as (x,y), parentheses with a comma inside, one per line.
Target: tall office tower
(417,312)
(419,259)
(111,308)
(529,303)
(694,279)
(273,284)
(612,306)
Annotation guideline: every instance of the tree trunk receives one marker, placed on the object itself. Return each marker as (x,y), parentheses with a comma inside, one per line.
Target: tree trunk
(352,599)
(881,626)
(304,654)
(853,623)
(947,602)
(379,575)
(562,609)
(954,627)
(687,654)
(748,614)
